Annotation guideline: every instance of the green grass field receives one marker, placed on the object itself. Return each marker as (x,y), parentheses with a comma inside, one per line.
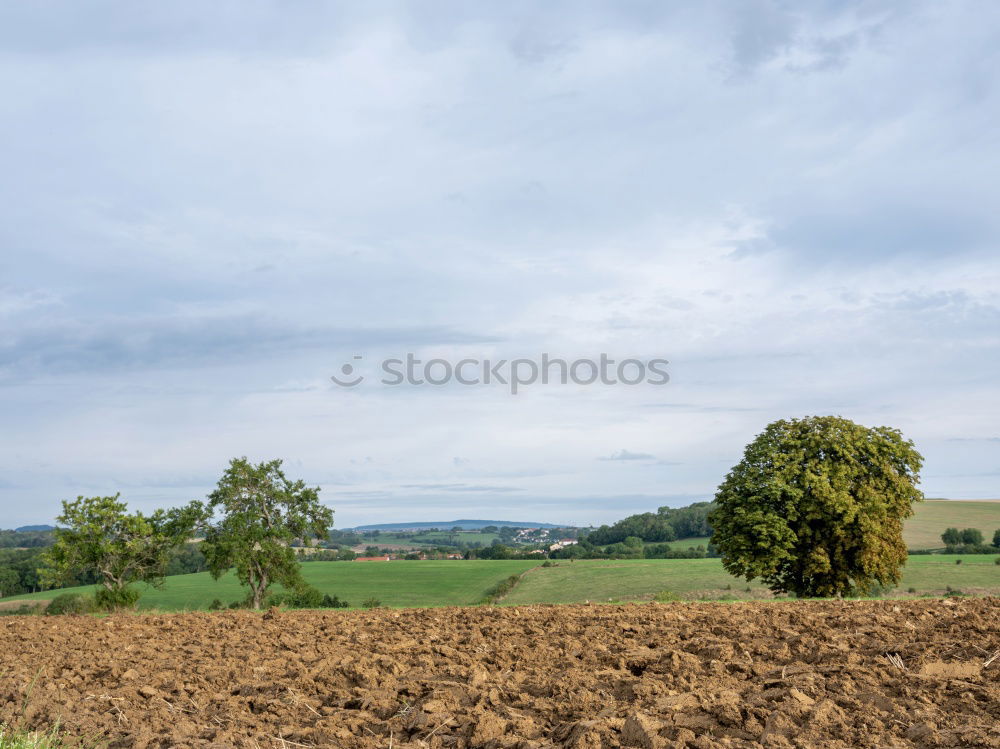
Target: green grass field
(932,517)
(456,583)
(637,579)
(430,583)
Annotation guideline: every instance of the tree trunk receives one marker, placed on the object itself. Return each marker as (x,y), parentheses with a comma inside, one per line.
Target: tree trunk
(258,589)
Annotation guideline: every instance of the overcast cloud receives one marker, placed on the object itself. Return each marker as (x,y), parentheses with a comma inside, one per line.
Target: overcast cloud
(209,208)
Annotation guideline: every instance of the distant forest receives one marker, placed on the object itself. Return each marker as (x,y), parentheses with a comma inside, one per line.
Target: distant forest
(666,524)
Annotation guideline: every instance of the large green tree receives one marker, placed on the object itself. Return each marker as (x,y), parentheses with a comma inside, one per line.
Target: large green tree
(261,513)
(97,535)
(816,507)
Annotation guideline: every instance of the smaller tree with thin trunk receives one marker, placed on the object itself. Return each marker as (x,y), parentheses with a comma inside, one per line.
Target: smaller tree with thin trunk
(97,535)
(261,513)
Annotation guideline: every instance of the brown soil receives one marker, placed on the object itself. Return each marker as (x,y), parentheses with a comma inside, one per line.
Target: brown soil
(778,674)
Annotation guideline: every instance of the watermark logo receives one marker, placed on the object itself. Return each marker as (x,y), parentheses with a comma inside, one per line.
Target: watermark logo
(349,378)
(514,374)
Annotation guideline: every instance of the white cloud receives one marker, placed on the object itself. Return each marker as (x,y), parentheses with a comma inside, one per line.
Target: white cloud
(207,212)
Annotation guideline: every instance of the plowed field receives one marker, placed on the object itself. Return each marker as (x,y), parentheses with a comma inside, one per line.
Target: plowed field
(804,674)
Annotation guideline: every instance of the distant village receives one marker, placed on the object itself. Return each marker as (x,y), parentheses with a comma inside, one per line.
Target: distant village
(487,542)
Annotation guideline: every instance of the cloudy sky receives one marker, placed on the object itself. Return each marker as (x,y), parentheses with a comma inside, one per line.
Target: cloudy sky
(208,209)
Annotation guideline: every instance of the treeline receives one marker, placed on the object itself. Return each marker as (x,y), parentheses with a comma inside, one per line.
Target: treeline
(25,539)
(19,569)
(969,541)
(666,524)
(19,572)
(631,548)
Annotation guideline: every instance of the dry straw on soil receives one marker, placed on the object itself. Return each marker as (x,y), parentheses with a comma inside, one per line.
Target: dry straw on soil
(838,674)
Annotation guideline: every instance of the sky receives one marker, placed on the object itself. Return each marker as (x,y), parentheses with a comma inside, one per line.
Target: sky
(209,209)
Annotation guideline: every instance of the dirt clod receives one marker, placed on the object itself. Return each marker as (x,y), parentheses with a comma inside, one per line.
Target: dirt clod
(775,674)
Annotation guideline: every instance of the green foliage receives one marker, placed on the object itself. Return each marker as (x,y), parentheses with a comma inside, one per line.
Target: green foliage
(952,537)
(972,537)
(98,536)
(25,539)
(186,559)
(501,589)
(971,549)
(996,538)
(967,541)
(19,572)
(666,524)
(71,603)
(263,513)
(116,599)
(216,605)
(371,603)
(666,596)
(648,526)
(816,507)
(306,597)
(303,597)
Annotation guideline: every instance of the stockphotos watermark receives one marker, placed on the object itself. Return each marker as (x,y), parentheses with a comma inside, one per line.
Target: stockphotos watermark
(516,374)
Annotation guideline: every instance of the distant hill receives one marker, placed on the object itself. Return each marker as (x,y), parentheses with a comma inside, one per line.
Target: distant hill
(34,528)
(466,525)
(931,518)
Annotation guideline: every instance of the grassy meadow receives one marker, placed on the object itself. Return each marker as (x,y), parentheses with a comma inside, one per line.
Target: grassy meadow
(430,583)
(457,583)
(933,516)
(638,579)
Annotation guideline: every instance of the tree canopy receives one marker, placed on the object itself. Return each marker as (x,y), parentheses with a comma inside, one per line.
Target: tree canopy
(816,507)
(666,524)
(97,535)
(262,513)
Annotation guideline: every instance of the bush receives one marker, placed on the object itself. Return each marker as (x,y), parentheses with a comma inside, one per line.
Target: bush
(215,605)
(116,600)
(878,591)
(499,590)
(71,603)
(303,597)
(371,603)
(971,549)
(334,603)
(666,596)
